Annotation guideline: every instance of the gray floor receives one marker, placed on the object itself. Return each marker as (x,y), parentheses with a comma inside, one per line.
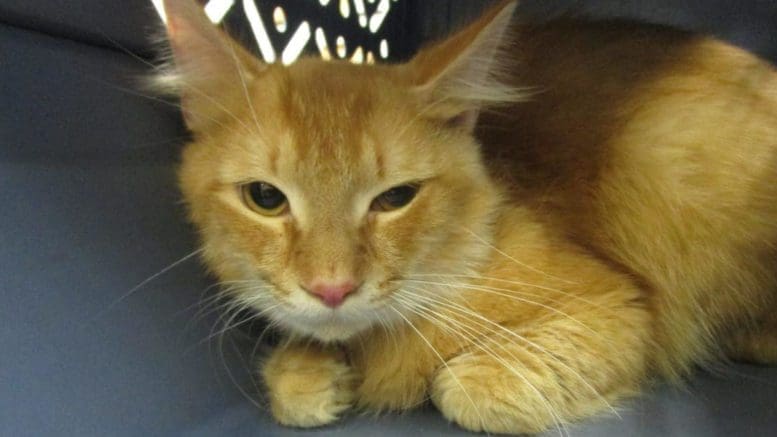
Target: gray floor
(89,209)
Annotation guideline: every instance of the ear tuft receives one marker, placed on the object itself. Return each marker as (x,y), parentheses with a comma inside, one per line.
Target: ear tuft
(203,66)
(470,70)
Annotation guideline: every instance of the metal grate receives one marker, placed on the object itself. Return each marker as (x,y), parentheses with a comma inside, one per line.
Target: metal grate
(361,31)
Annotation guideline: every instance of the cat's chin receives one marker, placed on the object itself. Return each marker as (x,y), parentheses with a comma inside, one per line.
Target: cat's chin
(330,332)
(329,328)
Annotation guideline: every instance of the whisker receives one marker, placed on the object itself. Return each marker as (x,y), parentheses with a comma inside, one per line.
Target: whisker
(428,314)
(505,332)
(499,291)
(420,113)
(231,376)
(207,307)
(512,282)
(218,303)
(230,323)
(472,340)
(513,259)
(270,324)
(202,299)
(386,328)
(124,49)
(228,294)
(238,65)
(520,293)
(159,100)
(234,307)
(142,284)
(181,80)
(439,356)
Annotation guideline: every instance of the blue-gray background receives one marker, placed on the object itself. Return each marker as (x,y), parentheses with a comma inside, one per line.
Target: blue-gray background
(89,208)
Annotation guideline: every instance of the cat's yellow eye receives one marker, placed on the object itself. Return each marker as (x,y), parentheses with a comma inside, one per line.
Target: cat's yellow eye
(264,198)
(394,198)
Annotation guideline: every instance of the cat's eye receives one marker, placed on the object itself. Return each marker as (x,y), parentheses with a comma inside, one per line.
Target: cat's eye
(264,198)
(394,198)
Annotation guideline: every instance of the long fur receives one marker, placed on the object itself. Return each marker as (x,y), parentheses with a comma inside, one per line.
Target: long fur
(559,254)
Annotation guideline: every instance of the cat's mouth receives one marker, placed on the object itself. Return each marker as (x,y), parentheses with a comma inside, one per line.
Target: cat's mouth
(305,315)
(326,324)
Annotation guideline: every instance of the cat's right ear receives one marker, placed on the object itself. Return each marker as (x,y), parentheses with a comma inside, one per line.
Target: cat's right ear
(206,69)
(463,74)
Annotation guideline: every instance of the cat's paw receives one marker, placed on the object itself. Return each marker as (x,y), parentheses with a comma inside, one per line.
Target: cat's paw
(308,387)
(484,397)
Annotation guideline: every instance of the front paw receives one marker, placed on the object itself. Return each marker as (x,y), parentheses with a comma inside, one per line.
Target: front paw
(484,396)
(308,387)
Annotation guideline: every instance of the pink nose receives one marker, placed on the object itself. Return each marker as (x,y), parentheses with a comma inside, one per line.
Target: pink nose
(331,294)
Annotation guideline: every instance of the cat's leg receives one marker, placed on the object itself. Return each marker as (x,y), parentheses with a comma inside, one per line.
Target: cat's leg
(533,379)
(309,385)
(395,367)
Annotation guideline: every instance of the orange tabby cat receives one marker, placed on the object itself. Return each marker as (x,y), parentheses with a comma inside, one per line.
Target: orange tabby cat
(614,219)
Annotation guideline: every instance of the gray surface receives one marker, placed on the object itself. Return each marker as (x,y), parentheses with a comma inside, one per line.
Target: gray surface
(101,22)
(89,209)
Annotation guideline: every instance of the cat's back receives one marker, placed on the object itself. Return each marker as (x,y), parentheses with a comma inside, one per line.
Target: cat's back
(590,82)
(657,150)
(635,115)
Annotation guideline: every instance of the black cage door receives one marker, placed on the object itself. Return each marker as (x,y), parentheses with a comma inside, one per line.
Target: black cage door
(362,31)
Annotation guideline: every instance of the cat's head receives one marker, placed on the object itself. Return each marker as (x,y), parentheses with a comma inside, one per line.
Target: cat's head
(319,189)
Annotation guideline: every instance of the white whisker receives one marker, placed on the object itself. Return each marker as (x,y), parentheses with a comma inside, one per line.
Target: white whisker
(513,259)
(427,314)
(500,292)
(508,334)
(439,356)
(250,103)
(512,282)
(231,376)
(227,325)
(143,283)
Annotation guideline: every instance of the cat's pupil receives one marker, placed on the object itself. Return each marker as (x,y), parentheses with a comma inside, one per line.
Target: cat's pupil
(395,198)
(400,196)
(265,195)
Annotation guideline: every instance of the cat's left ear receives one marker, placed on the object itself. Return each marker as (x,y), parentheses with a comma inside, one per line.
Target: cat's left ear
(207,67)
(460,75)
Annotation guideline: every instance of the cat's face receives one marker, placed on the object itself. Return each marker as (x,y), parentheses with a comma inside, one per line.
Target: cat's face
(320,188)
(339,181)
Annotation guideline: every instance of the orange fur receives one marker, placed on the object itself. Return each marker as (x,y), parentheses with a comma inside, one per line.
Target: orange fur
(622,224)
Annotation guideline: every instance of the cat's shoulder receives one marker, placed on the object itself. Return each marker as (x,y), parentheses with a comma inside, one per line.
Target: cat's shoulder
(630,44)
